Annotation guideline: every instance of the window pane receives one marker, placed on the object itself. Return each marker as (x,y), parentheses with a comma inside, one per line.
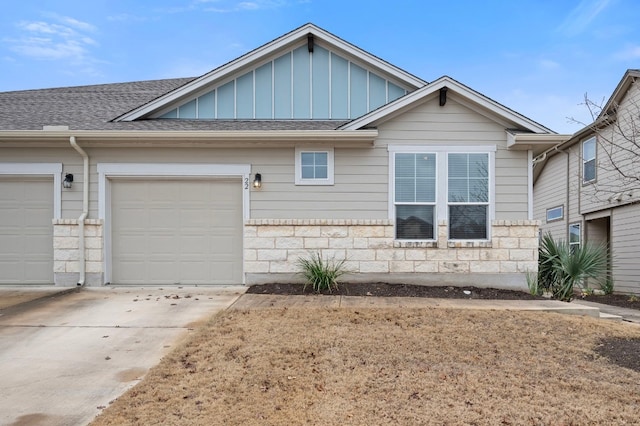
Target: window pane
(478,190)
(589,150)
(320,158)
(307,158)
(414,222)
(458,191)
(555,213)
(574,234)
(589,170)
(321,172)
(458,166)
(425,165)
(405,190)
(426,190)
(307,172)
(478,165)
(405,165)
(467,222)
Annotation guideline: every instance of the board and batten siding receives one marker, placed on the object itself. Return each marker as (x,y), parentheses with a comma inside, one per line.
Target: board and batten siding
(550,191)
(625,242)
(457,125)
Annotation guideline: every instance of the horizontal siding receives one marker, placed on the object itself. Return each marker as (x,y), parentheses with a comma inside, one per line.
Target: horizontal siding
(550,191)
(625,241)
(456,125)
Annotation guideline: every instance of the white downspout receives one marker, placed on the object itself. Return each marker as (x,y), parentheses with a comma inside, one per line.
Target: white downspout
(85,211)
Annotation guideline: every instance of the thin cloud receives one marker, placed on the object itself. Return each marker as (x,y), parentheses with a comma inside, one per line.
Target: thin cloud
(582,16)
(59,38)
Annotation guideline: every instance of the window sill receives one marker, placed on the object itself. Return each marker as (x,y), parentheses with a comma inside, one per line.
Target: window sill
(469,244)
(415,244)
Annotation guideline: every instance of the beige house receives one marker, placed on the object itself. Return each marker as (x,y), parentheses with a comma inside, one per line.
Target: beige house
(588,188)
(305,144)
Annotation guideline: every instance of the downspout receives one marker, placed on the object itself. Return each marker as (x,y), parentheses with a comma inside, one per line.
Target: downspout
(85,212)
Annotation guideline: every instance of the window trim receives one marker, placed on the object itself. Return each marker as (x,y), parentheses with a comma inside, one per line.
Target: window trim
(561,217)
(594,159)
(330,165)
(572,244)
(442,205)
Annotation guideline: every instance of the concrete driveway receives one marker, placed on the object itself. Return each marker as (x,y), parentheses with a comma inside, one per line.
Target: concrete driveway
(65,357)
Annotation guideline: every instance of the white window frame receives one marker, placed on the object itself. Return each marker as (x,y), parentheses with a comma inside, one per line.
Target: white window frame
(554,219)
(585,161)
(434,203)
(442,206)
(575,244)
(487,203)
(330,165)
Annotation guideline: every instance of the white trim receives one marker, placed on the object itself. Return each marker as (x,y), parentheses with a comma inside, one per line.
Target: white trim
(53,169)
(530,184)
(442,148)
(106,170)
(330,165)
(408,101)
(297,36)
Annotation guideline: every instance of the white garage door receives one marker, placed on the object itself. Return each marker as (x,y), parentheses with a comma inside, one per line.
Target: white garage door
(26,231)
(179,231)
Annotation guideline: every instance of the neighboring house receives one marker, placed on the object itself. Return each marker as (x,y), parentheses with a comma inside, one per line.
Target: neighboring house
(588,188)
(307,143)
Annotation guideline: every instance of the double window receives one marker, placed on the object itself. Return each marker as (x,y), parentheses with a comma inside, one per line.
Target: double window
(441,185)
(589,160)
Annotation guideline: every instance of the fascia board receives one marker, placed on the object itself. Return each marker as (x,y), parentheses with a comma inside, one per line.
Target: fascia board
(621,89)
(258,54)
(476,99)
(257,136)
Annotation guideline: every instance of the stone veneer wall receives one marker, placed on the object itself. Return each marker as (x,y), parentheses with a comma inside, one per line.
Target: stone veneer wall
(65,252)
(273,246)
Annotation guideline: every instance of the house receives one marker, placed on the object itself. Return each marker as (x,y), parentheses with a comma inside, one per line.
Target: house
(304,144)
(587,188)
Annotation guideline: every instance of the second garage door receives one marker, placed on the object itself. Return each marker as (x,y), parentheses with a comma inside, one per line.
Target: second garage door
(178,231)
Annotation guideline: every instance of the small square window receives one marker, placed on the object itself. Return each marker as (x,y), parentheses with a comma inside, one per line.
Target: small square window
(314,166)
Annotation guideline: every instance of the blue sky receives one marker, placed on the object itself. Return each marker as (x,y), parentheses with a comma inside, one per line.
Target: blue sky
(538,57)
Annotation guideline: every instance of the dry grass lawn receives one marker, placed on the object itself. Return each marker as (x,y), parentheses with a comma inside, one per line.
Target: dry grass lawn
(387,366)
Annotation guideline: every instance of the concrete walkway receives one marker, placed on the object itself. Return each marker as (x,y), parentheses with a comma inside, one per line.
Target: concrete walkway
(65,355)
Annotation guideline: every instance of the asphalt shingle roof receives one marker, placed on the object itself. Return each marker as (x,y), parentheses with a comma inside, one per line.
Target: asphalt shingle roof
(94,107)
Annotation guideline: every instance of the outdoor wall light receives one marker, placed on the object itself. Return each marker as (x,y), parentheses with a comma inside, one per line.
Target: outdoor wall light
(257,181)
(68,180)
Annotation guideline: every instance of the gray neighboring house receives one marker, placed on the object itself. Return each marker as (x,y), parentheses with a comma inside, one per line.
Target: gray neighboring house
(588,187)
(304,144)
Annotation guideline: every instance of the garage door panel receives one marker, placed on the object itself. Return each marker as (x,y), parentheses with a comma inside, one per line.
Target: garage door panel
(26,233)
(176,231)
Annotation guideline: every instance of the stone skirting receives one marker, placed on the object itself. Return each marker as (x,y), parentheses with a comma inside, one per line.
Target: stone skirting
(273,246)
(65,252)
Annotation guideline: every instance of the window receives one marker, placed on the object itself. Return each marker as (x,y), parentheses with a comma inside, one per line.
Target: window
(555,213)
(314,166)
(574,237)
(468,195)
(415,196)
(452,184)
(589,160)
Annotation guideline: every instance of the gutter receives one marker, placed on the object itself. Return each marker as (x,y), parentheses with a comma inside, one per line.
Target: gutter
(85,212)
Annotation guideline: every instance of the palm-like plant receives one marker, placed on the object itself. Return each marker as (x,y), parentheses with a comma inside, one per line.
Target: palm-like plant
(561,268)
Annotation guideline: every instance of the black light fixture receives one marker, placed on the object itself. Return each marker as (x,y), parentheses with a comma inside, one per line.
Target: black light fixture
(310,42)
(68,180)
(257,181)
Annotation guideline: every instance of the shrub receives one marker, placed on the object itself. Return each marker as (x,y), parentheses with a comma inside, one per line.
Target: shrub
(321,274)
(561,268)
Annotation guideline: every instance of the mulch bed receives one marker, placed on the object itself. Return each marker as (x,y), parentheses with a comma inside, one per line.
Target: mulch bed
(397,290)
(620,300)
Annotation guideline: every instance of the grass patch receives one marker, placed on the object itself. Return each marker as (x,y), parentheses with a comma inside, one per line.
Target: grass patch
(387,366)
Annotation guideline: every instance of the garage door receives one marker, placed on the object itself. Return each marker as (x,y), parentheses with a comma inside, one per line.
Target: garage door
(183,231)
(26,231)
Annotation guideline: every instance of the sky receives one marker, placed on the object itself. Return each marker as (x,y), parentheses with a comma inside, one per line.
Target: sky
(537,57)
